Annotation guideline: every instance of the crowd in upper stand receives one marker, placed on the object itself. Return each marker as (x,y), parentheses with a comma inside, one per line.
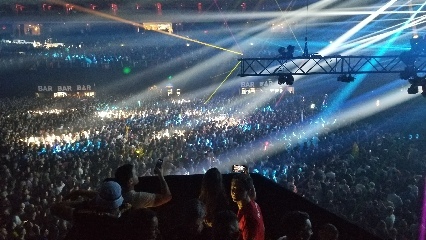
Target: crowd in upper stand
(51,147)
(118,51)
(11,8)
(103,57)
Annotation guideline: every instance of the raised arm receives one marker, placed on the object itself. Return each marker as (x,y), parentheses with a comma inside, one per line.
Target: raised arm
(165,195)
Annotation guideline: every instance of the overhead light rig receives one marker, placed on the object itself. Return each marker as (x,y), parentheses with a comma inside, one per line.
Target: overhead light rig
(411,60)
(316,65)
(408,65)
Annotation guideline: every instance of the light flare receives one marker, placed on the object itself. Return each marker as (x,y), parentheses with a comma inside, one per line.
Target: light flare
(122,20)
(226,78)
(339,41)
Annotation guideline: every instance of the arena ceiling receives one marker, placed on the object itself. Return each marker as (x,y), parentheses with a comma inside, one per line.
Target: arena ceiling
(147,10)
(234,5)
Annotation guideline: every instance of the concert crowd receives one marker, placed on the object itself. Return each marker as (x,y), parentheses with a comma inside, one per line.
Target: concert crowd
(51,147)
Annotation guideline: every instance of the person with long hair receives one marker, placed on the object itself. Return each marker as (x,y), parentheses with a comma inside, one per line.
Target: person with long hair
(213,195)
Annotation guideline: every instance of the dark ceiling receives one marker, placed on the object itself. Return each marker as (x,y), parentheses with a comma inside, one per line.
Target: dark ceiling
(207,5)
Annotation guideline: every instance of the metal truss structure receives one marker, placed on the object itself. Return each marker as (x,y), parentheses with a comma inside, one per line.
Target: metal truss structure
(316,64)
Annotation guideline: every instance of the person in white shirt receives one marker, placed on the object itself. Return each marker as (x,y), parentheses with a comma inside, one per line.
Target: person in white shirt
(127,177)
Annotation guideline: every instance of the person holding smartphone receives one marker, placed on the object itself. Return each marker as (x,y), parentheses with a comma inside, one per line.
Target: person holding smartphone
(127,177)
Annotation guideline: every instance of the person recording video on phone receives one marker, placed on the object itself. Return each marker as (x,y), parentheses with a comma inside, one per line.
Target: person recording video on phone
(127,177)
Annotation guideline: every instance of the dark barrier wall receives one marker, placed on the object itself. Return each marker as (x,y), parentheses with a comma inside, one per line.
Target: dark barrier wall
(273,199)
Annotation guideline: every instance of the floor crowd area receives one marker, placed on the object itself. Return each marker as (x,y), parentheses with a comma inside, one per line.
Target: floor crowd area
(374,177)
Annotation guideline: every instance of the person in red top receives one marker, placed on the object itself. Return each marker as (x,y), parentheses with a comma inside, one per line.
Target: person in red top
(250,219)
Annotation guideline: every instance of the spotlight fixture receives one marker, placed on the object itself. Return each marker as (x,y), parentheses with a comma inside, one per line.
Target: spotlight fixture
(413,89)
(415,80)
(417,44)
(345,78)
(286,78)
(286,52)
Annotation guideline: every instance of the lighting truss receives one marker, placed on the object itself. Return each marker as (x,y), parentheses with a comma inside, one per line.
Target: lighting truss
(316,64)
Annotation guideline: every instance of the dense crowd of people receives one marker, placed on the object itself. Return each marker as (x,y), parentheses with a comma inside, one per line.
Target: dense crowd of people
(51,147)
(135,57)
(118,51)
(107,53)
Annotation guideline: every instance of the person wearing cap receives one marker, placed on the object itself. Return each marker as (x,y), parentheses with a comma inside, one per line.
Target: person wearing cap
(127,177)
(95,215)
